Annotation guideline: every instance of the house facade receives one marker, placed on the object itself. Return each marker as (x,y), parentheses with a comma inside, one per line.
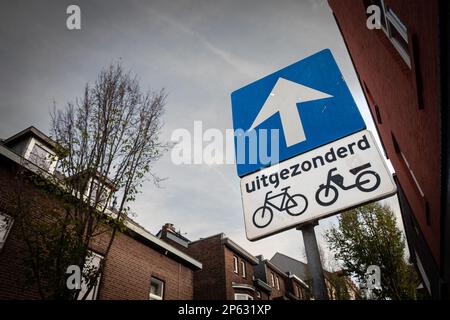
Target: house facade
(227,269)
(139,265)
(284,285)
(339,286)
(402,66)
(231,273)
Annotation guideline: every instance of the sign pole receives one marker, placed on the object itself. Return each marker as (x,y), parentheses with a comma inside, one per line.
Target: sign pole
(319,289)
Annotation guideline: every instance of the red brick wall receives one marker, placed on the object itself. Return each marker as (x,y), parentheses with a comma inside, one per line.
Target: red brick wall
(128,270)
(231,276)
(130,266)
(12,270)
(276,293)
(214,281)
(264,295)
(391,86)
(209,283)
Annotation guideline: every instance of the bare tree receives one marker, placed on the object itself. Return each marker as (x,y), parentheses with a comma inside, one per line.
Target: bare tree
(110,137)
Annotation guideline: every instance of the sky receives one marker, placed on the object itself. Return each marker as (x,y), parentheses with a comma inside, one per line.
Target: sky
(199,51)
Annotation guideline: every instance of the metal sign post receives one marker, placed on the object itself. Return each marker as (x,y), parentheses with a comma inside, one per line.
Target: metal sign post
(319,289)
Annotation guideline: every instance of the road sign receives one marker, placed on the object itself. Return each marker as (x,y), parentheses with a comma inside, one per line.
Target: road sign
(322,182)
(308,101)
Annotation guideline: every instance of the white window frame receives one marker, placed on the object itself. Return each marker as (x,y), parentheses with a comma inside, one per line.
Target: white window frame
(52,155)
(392,19)
(272,278)
(277,280)
(7,229)
(301,292)
(235,265)
(412,174)
(244,271)
(163,287)
(245,296)
(99,186)
(94,292)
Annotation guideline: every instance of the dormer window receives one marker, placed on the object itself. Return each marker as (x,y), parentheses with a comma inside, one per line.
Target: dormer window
(36,147)
(41,157)
(97,188)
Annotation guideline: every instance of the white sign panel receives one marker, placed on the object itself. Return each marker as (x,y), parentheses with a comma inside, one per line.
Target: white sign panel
(325,181)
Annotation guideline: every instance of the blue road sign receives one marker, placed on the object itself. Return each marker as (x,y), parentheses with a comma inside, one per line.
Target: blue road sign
(308,102)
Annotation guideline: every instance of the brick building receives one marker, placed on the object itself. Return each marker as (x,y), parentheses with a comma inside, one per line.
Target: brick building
(139,265)
(284,285)
(227,269)
(403,69)
(229,272)
(339,286)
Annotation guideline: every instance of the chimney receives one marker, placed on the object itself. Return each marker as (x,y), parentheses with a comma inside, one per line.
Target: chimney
(169,226)
(173,237)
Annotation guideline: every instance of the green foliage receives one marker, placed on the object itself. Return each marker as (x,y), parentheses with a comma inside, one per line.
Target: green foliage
(366,236)
(341,288)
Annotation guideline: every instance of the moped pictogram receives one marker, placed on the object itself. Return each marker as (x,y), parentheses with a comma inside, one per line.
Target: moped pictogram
(366,181)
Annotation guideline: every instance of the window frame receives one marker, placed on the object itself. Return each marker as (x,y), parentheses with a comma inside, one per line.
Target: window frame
(235,264)
(248,297)
(277,280)
(390,18)
(97,188)
(33,156)
(272,279)
(8,228)
(244,269)
(94,292)
(152,296)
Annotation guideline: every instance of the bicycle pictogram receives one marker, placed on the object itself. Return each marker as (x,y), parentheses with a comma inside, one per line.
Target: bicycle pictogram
(294,205)
(366,181)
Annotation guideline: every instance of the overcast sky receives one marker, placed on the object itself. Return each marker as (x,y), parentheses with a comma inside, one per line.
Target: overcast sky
(200,51)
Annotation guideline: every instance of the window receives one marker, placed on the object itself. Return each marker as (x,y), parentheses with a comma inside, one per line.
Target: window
(92,263)
(156,289)
(300,292)
(394,29)
(277,282)
(272,279)
(235,264)
(407,166)
(377,113)
(242,296)
(96,188)
(398,35)
(6,223)
(40,157)
(244,272)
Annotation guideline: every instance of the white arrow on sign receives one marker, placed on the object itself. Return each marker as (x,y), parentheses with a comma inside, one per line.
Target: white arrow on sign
(283,99)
